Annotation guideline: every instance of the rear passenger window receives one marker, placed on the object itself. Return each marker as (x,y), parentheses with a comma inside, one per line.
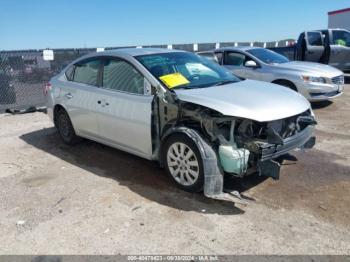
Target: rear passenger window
(87,72)
(219,57)
(69,73)
(314,38)
(209,56)
(120,75)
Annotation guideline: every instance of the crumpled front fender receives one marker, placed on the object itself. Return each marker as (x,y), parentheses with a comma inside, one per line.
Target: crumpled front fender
(213,176)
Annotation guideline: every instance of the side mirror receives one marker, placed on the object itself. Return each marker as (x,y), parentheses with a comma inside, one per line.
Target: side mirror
(251,64)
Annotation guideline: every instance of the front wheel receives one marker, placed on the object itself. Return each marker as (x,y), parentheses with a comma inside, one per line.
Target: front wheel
(183,163)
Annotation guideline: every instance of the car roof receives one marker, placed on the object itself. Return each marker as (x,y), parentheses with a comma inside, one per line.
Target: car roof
(137,51)
(126,53)
(237,48)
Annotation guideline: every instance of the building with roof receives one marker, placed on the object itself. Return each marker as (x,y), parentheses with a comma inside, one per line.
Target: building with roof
(339,19)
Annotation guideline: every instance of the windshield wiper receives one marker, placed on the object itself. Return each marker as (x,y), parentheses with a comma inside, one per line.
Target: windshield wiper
(225,82)
(183,87)
(186,86)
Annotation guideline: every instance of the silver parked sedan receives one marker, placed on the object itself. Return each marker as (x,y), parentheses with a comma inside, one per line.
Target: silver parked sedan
(315,81)
(191,115)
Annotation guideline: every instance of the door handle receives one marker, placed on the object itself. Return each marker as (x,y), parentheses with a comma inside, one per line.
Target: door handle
(69,96)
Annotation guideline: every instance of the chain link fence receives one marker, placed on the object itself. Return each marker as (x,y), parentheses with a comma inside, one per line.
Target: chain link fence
(24,73)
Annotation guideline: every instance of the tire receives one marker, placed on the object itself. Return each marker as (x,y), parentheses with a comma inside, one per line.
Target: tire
(183,162)
(65,128)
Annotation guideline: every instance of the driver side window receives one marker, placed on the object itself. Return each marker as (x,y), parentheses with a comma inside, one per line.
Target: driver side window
(120,75)
(236,59)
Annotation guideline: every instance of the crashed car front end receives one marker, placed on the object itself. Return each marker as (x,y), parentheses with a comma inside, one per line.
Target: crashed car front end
(246,146)
(239,127)
(267,141)
(233,145)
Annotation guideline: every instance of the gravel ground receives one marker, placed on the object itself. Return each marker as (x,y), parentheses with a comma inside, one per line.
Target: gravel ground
(92,199)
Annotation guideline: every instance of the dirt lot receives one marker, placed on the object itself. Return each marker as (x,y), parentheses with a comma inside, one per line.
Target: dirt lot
(92,199)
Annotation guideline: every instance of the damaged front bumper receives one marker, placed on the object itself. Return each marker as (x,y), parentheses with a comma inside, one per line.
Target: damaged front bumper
(303,139)
(265,158)
(268,166)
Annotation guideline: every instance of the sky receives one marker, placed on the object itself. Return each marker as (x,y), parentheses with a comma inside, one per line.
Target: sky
(36,24)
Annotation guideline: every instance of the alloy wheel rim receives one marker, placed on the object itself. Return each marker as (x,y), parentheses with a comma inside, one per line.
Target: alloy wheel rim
(183,164)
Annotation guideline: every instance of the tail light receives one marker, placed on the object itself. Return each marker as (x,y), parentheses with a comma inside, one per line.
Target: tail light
(47,88)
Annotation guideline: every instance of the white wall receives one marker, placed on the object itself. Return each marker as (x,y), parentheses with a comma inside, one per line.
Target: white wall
(340,20)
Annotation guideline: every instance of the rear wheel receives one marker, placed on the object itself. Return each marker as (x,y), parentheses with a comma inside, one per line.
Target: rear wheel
(65,128)
(183,163)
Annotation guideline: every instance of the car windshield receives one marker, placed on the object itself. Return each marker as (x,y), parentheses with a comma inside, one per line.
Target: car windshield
(268,56)
(186,70)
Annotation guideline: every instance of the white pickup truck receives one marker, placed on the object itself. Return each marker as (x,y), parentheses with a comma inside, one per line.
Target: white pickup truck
(329,46)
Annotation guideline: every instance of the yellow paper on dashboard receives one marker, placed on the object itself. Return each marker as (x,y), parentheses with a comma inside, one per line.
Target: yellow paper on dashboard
(173,80)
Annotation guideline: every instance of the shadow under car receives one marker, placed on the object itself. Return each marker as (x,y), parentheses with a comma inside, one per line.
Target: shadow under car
(141,176)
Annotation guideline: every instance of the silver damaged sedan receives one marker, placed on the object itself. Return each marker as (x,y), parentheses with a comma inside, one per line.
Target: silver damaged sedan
(317,82)
(191,115)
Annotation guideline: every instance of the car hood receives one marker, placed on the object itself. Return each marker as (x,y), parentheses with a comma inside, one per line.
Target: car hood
(249,99)
(315,69)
